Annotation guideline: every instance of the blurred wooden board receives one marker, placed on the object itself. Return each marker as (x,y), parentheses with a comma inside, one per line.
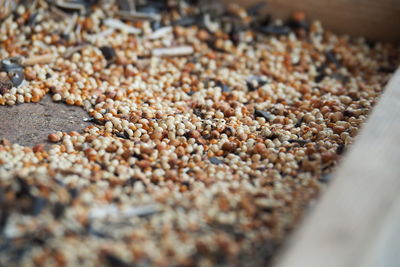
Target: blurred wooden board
(374,19)
(357,220)
(29,124)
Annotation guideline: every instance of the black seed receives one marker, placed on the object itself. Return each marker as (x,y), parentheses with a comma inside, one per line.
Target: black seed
(320,77)
(340,149)
(348,113)
(211,45)
(156,24)
(370,43)
(125,5)
(215,160)
(38,205)
(74,192)
(225,88)
(326,178)
(97,233)
(124,135)
(24,188)
(340,77)
(58,210)
(387,69)
(149,8)
(299,122)
(264,114)
(198,112)
(131,181)
(115,261)
(299,141)
(108,52)
(92,2)
(254,82)
(185,21)
(99,122)
(250,86)
(274,30)
(186,183)
(65,36)
(298,24)
(32,19)
(331,57)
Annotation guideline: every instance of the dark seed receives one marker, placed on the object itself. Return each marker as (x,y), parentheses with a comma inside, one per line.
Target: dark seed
(215,160)
(330,57)
(108,52)
(156,24)
(211,44)
(225,88)
(274,30)
(186,183)
(113,260)
(299,141)
(387,69)
(340,77)
(299,122)
(340,149)
(122,135)
(264,114)
(149,8)
(38,205)
(32,19)
(254,82)
(320,77)
(4,87)
(326,178)
(73,192)
(348,113)
(125,5)
(185,21)
(65,36)
(131,181)
(58,210)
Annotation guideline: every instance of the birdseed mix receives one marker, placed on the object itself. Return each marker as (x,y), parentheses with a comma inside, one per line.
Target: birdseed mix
(212,129)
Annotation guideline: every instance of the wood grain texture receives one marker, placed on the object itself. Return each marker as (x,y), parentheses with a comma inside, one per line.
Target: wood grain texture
(375,19)
(356,222)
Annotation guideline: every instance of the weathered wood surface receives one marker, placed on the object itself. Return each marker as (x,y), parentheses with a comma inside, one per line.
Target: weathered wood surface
(29,124)
(375,19)
(357,220)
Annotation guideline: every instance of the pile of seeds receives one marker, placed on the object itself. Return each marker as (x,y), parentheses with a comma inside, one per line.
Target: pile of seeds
(213,130)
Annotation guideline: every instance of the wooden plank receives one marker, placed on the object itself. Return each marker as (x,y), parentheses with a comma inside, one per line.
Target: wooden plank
(385,251)
(377,20)
(355,220)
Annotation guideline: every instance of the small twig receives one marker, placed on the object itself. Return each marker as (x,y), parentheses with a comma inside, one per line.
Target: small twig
(102,34)
(71,5)
(105,211)
(73,50)
(160,33)
(135,16)
(42,59)
(119,25)
(173,51)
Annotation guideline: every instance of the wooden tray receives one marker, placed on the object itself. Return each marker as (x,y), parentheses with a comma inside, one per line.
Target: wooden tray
(356,223)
